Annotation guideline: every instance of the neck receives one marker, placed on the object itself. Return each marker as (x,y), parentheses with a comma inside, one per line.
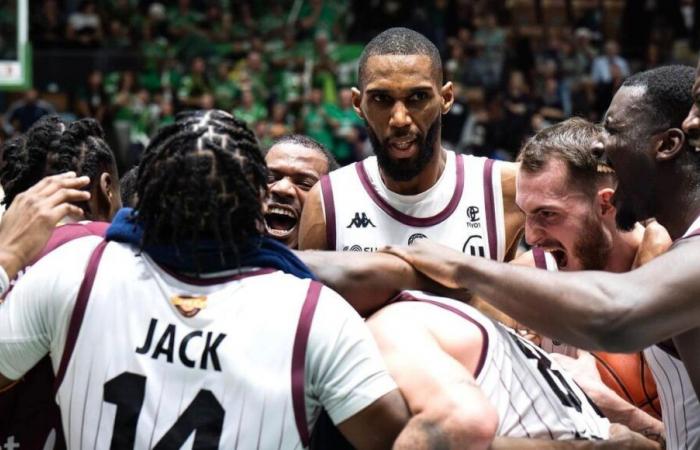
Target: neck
(624,249)
(424,180)
(677,215)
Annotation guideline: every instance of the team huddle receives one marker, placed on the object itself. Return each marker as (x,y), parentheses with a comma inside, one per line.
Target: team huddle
(221,297)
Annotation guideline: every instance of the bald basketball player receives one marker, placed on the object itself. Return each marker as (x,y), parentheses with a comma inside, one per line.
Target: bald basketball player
(413,188)
(658,177)
(295,163)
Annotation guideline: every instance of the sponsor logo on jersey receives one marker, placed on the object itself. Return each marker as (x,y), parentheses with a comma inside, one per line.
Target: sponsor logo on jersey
(358,248)
(473,216)
(474,246)
(189,305)
(360,221)
(415,237)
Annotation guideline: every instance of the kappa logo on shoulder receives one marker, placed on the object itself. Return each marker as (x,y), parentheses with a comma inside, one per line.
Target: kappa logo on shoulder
(361,221)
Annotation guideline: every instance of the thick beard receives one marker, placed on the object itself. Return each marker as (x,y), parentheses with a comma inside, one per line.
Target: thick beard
(405,170)
(593,248)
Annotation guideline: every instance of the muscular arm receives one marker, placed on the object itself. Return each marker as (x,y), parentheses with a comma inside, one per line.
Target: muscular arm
(368,280)
(312,225)
(449,410)
(390,411)
(593,310)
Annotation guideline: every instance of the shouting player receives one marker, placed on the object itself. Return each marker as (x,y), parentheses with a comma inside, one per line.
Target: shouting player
(295,163)
(413,188)
(657,177)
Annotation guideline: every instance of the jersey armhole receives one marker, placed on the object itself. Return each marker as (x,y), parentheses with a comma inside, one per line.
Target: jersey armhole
(79,311)
(301,340)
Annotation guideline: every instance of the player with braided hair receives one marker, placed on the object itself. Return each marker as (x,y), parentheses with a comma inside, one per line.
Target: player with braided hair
(52,146)
(187,315)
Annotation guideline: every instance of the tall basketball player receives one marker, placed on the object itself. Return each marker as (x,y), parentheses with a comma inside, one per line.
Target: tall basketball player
(658,177)
(182,318)
(413,188)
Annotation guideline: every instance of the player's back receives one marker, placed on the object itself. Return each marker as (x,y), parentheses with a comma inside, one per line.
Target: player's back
(533,396)
(235,361)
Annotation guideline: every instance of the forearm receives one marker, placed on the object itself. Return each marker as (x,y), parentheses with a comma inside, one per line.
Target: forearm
(366,281)
(507,443)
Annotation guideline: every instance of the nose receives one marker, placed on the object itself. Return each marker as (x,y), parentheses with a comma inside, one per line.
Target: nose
(533,232)
(691,124)
(400,116)
(283,188)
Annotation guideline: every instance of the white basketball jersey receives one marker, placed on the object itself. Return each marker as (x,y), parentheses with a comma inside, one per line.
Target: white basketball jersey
(534,396)
(679,404)
(463,210)
(239,364)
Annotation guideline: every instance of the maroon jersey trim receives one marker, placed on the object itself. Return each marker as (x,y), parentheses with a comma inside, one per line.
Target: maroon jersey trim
(405,218)
(301,339)
(490,209)
(79,311)
(70,231)
(405,296)
(328,211)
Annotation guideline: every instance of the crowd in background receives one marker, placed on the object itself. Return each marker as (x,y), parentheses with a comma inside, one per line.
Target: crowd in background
(287,66)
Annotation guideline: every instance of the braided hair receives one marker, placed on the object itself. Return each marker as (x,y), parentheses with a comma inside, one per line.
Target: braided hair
(51,146)
(82,149)
(202,178)
(24,157)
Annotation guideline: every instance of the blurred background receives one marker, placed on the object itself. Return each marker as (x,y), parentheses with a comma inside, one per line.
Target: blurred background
(288,66)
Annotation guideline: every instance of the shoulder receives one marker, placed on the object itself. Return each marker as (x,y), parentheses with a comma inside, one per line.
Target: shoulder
(509,172)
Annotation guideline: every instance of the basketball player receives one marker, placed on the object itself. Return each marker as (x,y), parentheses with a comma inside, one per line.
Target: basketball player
(164,364)
(413,188)
(29,416)
(658,177)
(295,164)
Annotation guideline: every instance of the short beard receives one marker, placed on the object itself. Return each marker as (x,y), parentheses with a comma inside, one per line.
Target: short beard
(405,170)
(593,249)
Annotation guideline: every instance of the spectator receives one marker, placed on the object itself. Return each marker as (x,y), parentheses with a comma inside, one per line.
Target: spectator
(22,114)
(317,122)
(47,25)
(603,71)
(92,99)
(251,110)
(346,126)
(195,84)
(84,26)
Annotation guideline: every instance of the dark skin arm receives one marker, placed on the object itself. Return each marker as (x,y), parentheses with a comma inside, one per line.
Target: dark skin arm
(594,310)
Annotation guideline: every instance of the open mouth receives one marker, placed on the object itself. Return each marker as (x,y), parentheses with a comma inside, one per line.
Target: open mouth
(559,256)
(280,220)
(403,145)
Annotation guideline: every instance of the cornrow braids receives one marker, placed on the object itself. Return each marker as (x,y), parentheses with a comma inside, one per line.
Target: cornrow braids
(24,157)
(202,178)
(82,148)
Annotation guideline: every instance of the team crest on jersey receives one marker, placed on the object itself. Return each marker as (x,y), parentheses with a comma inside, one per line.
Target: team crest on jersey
(473,216)
(189,305)
(361,221)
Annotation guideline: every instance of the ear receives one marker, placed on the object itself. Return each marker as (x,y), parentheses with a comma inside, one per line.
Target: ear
(670,145)
(107,199)
(357,101)
(604,200)
(448,96)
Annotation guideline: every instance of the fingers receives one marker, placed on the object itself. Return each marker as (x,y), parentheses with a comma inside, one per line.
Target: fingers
(400,252)
(65,195)
(57,182)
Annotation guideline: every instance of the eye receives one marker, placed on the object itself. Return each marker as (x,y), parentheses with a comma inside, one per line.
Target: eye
(380,98)
(418,96)
(547,215)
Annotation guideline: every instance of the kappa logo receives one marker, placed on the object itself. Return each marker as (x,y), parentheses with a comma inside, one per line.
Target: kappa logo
(474,247)
(415,237)
(360,221)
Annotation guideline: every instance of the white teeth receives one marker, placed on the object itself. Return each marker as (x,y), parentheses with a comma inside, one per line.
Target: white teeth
(281,211)
(403,145)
